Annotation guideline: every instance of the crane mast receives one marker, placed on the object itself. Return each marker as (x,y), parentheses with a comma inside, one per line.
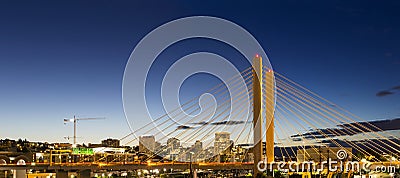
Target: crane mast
(75,121)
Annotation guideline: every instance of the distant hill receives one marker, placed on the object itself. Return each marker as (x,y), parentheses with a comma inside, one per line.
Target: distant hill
(354,128)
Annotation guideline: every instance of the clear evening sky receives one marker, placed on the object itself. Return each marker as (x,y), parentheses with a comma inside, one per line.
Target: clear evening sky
(65,58)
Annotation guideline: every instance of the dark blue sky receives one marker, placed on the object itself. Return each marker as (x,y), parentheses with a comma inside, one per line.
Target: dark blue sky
(60,58)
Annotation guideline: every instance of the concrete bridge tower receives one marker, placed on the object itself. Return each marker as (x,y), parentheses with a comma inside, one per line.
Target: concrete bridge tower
(258,117)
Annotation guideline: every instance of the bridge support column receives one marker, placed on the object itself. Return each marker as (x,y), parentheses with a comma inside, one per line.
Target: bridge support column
(61,174)
(84,173)
(257,113)
(269,115)
(3,173)
(258,84)
(130,174)
(19,174)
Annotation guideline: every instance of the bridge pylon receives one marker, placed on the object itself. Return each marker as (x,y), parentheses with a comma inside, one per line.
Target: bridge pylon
(259,81)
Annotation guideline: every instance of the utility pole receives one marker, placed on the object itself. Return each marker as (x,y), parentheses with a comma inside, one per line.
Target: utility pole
(328,161)
(320,161)
(190,165)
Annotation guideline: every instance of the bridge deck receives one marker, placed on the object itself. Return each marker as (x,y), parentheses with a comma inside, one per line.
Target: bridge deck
(172,165)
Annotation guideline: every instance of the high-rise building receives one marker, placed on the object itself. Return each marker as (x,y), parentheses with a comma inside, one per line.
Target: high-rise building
(147,144)
(110,143)
(198,146)
(173,148)
(173,143)
(222,143)
(197,149)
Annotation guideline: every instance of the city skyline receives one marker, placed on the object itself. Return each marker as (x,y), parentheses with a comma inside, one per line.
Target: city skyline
(199,89)
(56,64)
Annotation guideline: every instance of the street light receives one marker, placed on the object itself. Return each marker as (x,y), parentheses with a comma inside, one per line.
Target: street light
(190,164)
(393,158)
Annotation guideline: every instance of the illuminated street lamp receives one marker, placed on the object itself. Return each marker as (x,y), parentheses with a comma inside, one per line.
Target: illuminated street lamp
(190,164)
(393,158)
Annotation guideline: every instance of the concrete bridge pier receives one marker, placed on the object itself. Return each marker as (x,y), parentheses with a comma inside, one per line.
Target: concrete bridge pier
(61,174)
(258,114)
(19,173)
(4,173)
(84,173)
(130,174)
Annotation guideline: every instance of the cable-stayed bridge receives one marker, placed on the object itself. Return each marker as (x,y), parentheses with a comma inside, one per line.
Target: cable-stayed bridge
(270,120)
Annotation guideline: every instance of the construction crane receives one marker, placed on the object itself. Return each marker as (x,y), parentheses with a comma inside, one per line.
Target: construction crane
(75,121)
